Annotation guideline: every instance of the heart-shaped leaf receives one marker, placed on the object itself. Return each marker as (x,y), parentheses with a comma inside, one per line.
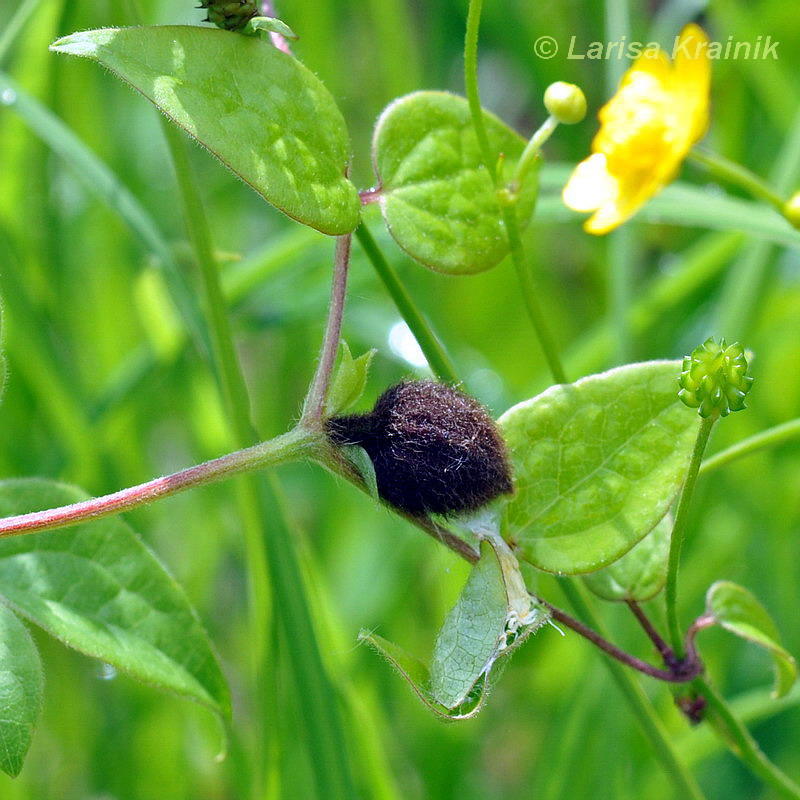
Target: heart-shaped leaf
(21,687)
(97,588)
(259,110)
(436,196)
(597,464)
(640,574)
(738,611)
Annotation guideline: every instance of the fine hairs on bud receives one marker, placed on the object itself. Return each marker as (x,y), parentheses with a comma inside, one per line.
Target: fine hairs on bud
(435,449)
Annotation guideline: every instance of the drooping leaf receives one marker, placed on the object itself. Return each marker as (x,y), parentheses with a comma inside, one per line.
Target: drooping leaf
(349,381)
(259,110)
(740,612)
(471,634)
(479,629)
(97,588)
(597,464)
(479,633)
(640,574)
(21,688)
(436,196)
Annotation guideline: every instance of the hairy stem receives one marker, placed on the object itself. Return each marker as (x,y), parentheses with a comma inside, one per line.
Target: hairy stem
(291,446)
(684,782)
(664,650)
(314,407)
(672,675)
(678,532)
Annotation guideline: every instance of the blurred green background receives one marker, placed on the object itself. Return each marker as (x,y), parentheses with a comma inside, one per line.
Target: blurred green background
(103,391)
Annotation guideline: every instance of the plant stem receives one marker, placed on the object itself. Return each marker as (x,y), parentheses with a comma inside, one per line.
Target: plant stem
(529,296)
(768,438)
(676,539)
(267,531)
(671,675)
(508,213)
(235,398)
(291,446)
(313,409)
(471,87)
(685,784)
(741,742)
(664,650)
(15,25)
(431,347)
(531,151)
(731,172)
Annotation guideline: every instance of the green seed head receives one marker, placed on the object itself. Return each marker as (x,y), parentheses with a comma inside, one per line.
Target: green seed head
(714,378)
(232,15)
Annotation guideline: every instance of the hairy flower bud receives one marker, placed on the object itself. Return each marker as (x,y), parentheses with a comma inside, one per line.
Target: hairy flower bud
(229,14)
(434,449)
(714,378)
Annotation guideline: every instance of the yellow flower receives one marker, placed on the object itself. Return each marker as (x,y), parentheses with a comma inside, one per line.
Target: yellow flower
(647,128)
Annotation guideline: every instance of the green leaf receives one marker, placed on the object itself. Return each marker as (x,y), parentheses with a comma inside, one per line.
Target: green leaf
(97,588)
(479,633)
(21,688)
(597,464)
(269,25)
(349,381)
(738,610)
(640,574)
(360,459)
(471,634)
(436,196)
(260,111)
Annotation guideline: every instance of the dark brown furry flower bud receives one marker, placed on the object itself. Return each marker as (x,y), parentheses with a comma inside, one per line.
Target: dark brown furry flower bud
(435,449)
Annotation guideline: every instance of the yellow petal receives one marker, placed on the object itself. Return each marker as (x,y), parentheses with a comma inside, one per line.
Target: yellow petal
(591,185)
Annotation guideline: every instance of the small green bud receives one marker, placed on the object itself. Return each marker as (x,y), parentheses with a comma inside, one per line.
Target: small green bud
(232,15)
(566,102)
(714,378)
(791,210)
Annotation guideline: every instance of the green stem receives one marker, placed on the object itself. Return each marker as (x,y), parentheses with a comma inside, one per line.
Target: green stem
(731,172)
(741,742)
(676,540)
(530,298)
(15,26)
(267,531)
(621,259)
(524,276)
(471,87)
(652,726)
(768,438)
(431,347)
(531,151)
